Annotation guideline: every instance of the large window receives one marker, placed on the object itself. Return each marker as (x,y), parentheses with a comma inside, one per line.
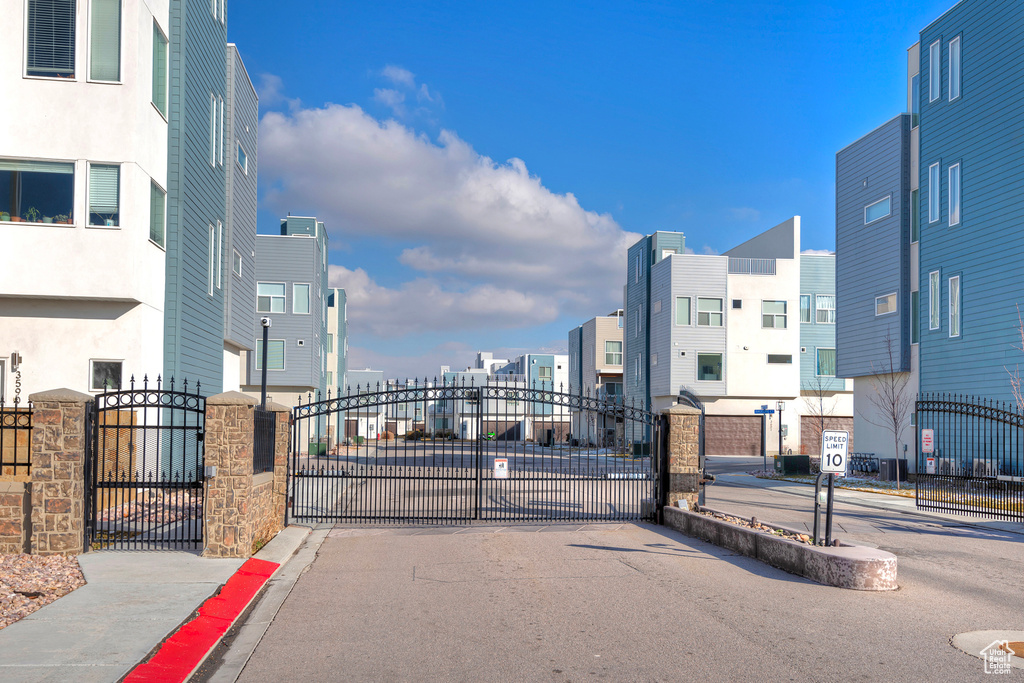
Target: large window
(157,213)
(954,68)
(805,308)
(300,298)
(915,317)
(934,71)
(682,310)
(954,306)
(613,353)
(270,297)
(50,50)
(933,193)
(36,191)
(709,312)
(773,314)
(880,209)
(105,375)
(933,300)
(104,186)
(275,354)
(105,40)
(826,365)
(159,69)
(954,194)
(709,367)
(885,304)
(825,308)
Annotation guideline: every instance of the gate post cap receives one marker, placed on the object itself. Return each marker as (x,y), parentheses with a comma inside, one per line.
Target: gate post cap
(680,410)
(232,398)
(60,396)
(277,407)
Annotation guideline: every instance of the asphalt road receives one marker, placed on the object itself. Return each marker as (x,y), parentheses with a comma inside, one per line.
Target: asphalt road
(636,602)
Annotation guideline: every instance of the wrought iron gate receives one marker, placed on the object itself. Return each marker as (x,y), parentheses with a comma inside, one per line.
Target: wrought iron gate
(145,468)
(443,453)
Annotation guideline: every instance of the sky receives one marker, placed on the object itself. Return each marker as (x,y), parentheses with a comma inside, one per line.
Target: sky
(482,167)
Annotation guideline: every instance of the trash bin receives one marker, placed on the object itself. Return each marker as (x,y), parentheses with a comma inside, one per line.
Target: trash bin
(888,467)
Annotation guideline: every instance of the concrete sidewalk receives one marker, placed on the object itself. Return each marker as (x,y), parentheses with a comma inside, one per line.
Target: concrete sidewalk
(878,501)
(132,601)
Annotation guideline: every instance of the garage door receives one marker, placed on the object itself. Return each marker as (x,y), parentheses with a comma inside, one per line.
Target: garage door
(732,435)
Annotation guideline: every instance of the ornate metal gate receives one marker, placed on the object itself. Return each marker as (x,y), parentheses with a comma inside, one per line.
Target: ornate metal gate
(145,468)
(461,453)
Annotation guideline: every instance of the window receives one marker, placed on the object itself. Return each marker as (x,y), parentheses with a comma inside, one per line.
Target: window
(157,213)
(236,263)
(933,71)
(270,297)
(773,314)
(954,194)
(636,322)
(656,308)
(50,50)
(880,209)
(105,40)
(619,321)
(329,346)
(825,308)
(737,303)
(105,375)
(544,373)
(915,100)
(300,299)
(709,312)
(275,354)
(954,306)
(805,308)
(159,70)
(330,378)
(104,184)
(933,300)
(636,269)
(933,193)
(654,359)
(213,130)
(241,158)
(915,215)
(28,188)
(954,68)
(665,253)
(780,359)
(613,353)
(211,260)
(826,366)
(3,367)
(709,367)
(682,310)
(915,317)
(885,304)
(220,131)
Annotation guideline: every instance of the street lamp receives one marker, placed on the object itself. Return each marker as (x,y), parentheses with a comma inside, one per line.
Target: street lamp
(781,405)
(265,322)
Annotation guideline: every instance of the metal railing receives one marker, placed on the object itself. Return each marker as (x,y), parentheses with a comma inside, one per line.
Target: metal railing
(15,438)
(264,435)
(751,266)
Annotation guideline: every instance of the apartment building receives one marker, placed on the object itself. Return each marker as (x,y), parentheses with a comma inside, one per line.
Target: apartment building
(595,369)
(336,346)
(100,182)
(723,327)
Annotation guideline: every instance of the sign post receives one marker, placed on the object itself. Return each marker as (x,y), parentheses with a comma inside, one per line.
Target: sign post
(764,412)
(833,461)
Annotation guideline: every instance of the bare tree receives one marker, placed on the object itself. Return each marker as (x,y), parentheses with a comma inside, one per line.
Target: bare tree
(1015,378)
(819,408)
(890,399)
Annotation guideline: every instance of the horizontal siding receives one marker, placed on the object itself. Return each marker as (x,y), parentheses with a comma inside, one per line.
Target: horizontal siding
(817,276)
(694,276)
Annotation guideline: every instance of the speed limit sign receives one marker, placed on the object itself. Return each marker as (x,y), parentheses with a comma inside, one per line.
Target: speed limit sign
(833,451)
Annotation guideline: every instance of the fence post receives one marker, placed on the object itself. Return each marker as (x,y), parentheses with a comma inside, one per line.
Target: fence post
(282,438)
(59,450)
(683,473)
(227,527)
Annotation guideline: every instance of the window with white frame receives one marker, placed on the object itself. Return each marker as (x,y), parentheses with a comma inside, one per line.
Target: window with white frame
(213,130)
(805,308)
(104,188)
(709,312)
(36,191)
(934,305)
(159,69)
(933,193)
(636,269)
(682,310)
(915,317)
(878,210)
(270,297)
(709,367)
(329,346)
(934,71)
(242,159)
(211,260)
(954,306)
(50,39)
(636,322)
(954,68)
(220,252)
(613,353)
(157,213)
(105,40)
(105,375)
(885,304)
(220,131)
(275,354)
(236,263)
(954,194)
(826,363)
(300,298)
(636,370)
(773,314)
(825,308)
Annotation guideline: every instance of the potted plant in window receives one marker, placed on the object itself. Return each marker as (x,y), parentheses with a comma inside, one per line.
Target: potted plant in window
(47,219)
(62,218)
(32,214)
(5,216)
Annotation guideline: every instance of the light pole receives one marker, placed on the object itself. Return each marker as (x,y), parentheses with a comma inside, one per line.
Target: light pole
(265,322)
(781,405)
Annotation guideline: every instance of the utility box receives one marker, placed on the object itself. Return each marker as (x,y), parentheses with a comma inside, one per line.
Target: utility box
(888,467)
(793,464)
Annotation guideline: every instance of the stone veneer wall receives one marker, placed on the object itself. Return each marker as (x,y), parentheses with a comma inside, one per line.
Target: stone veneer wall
(15,516)
(683,454)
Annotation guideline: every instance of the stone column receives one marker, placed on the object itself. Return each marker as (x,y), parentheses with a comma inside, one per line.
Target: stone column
(282,440)
(58,484)
(229,437)
(683,454)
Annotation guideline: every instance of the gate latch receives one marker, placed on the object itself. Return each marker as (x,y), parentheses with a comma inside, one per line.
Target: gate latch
(210,470)
(200,436)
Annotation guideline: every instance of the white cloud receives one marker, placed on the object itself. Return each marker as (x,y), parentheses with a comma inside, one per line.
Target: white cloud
(270,89)
(509,251)
(817,252)
(399,76)
(708,250)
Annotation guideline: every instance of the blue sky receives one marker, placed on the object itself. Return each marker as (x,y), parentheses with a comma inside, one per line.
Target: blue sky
(481,167)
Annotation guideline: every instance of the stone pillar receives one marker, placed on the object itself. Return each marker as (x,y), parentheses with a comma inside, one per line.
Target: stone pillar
(282,440)
(683,454)
(228,447)
(15,516)
(58,484)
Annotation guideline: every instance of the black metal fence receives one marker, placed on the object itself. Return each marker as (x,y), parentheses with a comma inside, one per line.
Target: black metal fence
(145,468)
(15,438)
(265,433)
(970,456)
(431,452)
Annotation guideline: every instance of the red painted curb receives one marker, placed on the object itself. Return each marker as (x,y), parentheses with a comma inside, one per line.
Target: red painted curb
(182,652)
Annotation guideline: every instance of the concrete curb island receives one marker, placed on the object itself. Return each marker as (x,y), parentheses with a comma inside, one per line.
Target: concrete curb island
(845,566)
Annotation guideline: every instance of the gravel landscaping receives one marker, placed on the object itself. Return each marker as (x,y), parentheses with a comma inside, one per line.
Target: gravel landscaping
(27,582)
